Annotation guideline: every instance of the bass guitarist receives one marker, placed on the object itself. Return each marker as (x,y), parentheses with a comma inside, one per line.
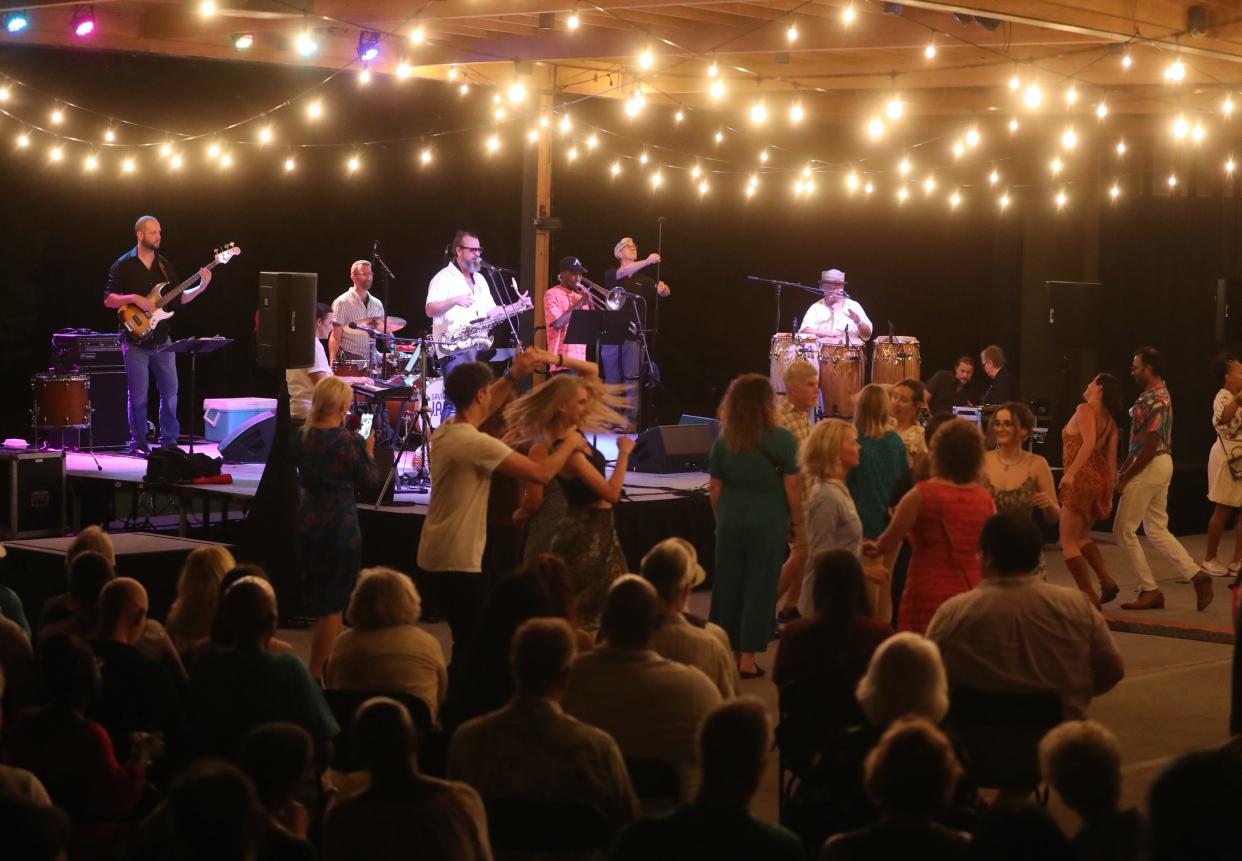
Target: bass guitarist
(130,281)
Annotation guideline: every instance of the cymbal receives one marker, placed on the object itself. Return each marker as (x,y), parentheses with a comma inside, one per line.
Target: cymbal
(395,324)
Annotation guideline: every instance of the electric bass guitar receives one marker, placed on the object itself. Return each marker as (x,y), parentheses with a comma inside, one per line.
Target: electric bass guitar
(139,323)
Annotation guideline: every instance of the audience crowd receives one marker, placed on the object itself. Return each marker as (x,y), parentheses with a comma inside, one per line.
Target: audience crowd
(592,714)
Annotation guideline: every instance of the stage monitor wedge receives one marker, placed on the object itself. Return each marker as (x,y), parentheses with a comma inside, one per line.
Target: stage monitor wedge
(287,319)
(673,448)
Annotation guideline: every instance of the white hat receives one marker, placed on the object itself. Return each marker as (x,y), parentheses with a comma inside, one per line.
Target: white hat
(832,276)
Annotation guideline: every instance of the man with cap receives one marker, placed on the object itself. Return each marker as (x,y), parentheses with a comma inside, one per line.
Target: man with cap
(562,297)
(836,316)
(622,364)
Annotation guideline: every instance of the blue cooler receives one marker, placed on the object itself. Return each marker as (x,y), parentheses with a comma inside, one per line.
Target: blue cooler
(222,416)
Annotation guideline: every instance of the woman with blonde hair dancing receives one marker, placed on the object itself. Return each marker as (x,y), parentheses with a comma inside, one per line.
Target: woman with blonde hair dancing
(572,516)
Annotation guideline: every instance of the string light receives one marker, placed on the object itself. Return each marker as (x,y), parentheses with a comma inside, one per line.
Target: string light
(1069,139)
(23,140)
(404,70)
(207,8)
(1061,199)
(646,59)
(796,114)
(875,128)
(616,168)
(1181,128)
(364,76)
(1013,125)
(306,43)
(1015,82)
(243,41)
(464,88)
(868,188)
(1172,180)
(679,116)
(1115,191)
(930,51)
(851,182)
(213,151)
(91,162)
(1229,165)
(314,110)
(1121,147)
(703,186)
(290,165)
(354,164)
(56,154)
(166,150)
(544,122)
(719,137)
(695,171)
(417,35)
(894,108)
(642,159)
(265,135)
(452,73)
(1175,72)
(763,156)
(4,94)
(572,21)
(955,200)
(566,125)
(1033,96)
(994,177)
(1004,201)
(972,137)
(1101,110)
(758,114)
(175,162)
(493,144)
(128,166)
(58,116)
(929,185)
(500,114)
(572,155)
(1071,96)
(806,171)
(1226,107)
(713,70)
(657,179)
(959,149)
(717,89)
(791,34)
(1126,62)
(592,142)
(226,160)
(1198,133)
(848,15)
(902,194)
(533,135)
(1056,166)
(517,92)
(904,167)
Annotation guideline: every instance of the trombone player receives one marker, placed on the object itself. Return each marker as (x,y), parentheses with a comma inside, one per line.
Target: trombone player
(568,294)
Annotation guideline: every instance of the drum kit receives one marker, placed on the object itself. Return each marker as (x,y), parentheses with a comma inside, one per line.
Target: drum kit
(842,366)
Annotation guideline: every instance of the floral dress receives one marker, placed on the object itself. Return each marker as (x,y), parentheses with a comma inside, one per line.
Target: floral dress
(331,463)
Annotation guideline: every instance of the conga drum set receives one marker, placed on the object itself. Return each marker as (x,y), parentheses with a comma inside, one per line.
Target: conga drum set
(843,366)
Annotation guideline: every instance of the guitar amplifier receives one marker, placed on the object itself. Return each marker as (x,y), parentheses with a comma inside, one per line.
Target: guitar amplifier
(84,349)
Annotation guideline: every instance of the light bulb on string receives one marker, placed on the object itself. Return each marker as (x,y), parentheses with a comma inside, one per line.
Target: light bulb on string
(642,159)
(616,168)
(1004,201)
(314,110)
(646,59)
(1056,166)
(57,116)
(91,162)
(1071,95)
(868,188)
(703,186)
(1126,61)
(1121,147)
(959,149)
(417,35)
(758,113)
(1176,71)
(904,167)
(791,33)
(851,182)
(806,171)
(894,109)
(226,161)
(23,140)
(1101,110)
(1181,128)
(452,73)
(175,162)
(56,154)
(848,14)
(404,70)
(1114,191)
(972,137)
(875,128)
(1032,96)
(544,122)
(354,164)
(464,88)
(796,113)
(265,135)
(717,89)
(929,185)
(1014,125)
(592,142)
(955,200)
(290,164)
(713,70)
(493,144)
(517,92)
(1197,133)
(1226,106)
(566,125)
(128,165)
(306,43)
(719,137)
(572,21)
(1172,180)
(4,94)
(572,155)
(1069,138)
(213,151)
(994,177)
(207,8)
(930,51)
(679,116)
(1229,165)
(533,135)
(763,156)
(1061,199)
(695,171)
(500,114)
(1015,82)
(902,194)
(165,150)
(657,179)
(364,76)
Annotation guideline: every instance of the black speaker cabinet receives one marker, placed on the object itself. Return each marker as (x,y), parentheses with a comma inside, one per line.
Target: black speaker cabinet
(251,442)
(287,319)
(33,498)
(673,448)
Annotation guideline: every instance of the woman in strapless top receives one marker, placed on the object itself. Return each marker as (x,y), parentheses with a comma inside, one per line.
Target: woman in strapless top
(1089,452)
(572,517)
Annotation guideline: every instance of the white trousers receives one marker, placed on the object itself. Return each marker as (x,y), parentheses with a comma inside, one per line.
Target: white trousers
(1145,500)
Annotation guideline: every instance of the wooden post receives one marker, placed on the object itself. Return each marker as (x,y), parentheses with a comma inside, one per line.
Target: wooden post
(537,206)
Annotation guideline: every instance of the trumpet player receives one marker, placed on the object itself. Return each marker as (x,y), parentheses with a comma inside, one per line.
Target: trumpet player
(563,297)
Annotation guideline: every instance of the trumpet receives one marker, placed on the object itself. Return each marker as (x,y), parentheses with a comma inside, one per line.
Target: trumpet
(613,300)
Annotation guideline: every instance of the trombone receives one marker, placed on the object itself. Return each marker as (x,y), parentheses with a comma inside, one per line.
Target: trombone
(613,300)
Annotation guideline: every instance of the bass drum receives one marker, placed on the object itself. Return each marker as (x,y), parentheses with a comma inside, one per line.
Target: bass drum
(788,348)
(894,359)
(61,400)
(842,369)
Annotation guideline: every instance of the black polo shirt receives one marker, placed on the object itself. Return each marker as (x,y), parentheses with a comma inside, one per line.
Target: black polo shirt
(639,285)
(130,275)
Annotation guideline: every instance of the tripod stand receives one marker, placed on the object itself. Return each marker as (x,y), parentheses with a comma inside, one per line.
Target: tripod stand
(420,425)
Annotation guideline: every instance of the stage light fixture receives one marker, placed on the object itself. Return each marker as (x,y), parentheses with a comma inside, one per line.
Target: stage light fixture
(368,46)
(243,41)
(83,21)
(15,22)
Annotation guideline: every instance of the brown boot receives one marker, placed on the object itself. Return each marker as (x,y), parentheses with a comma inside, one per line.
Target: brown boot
(1082,578)
(1147,600)
(1108,586)
(1203,590)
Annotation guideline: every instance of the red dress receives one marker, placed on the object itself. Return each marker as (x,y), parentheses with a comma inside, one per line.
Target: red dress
(945,543)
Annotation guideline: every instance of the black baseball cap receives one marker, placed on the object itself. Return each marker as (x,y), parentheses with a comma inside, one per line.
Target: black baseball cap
(572,264)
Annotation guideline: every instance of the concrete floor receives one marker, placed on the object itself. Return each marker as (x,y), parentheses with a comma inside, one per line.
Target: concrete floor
(1174,698)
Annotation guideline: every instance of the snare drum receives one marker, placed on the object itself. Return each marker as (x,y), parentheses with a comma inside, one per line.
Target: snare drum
(786,349)
(895,359)
(842,370)
(61,400)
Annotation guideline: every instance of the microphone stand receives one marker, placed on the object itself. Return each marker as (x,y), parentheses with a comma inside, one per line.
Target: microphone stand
(377,261)
(778,284)
(502,290)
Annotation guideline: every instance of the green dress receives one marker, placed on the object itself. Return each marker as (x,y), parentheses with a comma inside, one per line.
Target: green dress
(752,531)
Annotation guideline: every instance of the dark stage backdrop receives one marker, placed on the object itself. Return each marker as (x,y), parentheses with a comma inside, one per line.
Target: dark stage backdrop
(955,281)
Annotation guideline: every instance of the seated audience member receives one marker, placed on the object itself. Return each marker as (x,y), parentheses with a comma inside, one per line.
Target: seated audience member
(910,775)
(135,693)
(194,609)
(530,749)
(279,759)
(32,832)
(540,589)
(1014,632)
(233,690)
(221,635)
(672,572)
(905,677)
(1081,760)
(71,755)
(76,612)
(92,539)
(699,576)
(1018,833)
(733,744)
(17,664)
(11,606)
(402,813)
(1192,809)
(651,706)
(560,582)
(827,653)
(385,650)
(18,784)
(211,814)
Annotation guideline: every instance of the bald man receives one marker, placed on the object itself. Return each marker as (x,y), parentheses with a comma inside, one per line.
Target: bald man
(136,693)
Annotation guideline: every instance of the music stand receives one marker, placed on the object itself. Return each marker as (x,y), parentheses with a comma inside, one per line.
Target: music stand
(598,328)
(194,346)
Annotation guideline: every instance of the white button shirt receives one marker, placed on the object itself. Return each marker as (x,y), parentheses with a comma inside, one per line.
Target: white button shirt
(448,283)
(820,316)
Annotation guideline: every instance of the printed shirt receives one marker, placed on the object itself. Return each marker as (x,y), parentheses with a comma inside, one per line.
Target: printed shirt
(794,420)
(348,308)
(1152,413)
(556,303)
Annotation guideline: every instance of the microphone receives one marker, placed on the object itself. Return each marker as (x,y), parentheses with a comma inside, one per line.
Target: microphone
(493,268)
(375,251)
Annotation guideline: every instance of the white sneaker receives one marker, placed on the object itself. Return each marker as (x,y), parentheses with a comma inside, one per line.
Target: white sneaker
(1215,567)
(1234,568)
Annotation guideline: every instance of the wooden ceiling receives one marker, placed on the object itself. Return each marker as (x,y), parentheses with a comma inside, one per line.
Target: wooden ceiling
(832,67)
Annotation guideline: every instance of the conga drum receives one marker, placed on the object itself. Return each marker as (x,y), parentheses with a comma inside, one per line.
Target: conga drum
(895,358)
(842,369)
(788,348)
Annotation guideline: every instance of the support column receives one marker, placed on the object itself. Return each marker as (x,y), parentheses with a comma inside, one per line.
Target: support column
(537,208)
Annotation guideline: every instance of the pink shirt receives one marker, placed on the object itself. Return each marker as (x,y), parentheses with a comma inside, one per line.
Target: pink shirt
(556,302)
